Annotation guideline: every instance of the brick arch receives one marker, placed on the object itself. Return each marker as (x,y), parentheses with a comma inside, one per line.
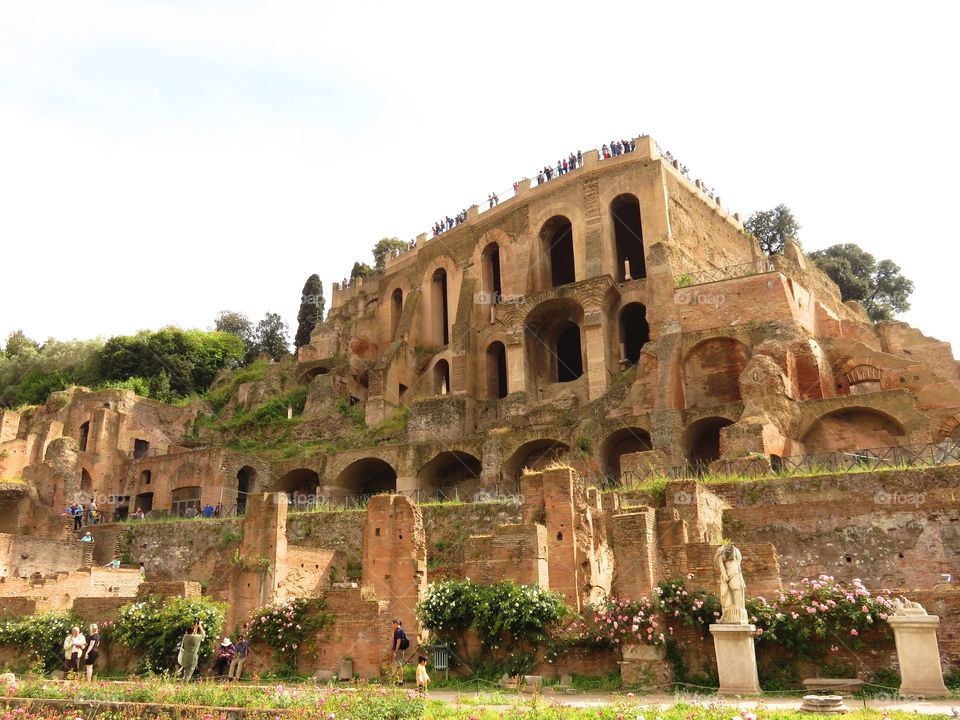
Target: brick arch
(621,442)
(852,428)
(538,275)
(711,371)
(367,475)
(451,469)
(950,428)
(534,454)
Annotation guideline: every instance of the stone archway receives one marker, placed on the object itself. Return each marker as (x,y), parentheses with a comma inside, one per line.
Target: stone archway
(368,476)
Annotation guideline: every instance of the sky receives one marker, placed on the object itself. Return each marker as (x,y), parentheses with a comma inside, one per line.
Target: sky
(163,161)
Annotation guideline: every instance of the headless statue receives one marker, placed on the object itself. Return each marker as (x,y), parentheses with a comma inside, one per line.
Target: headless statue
(733,599)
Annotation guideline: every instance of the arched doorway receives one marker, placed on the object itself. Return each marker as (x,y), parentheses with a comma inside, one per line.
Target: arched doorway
(300,485)
(556,240)
(144,501)
(535,455)
(246,477)
(441,377)
(396,308)
(496,370)
(367,477)
(622,442)
(184,498)
(439,309)
(628,237)
(451,474)
(634,331)
(701,442)
(491,273)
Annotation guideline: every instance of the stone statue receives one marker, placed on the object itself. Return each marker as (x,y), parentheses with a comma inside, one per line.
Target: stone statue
(732,586)
(902,606)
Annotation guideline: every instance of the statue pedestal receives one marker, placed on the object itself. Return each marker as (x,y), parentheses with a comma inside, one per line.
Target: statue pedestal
(736,658)
(919,654)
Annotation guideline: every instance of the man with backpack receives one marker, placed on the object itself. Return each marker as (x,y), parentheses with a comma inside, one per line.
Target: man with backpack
(400,643)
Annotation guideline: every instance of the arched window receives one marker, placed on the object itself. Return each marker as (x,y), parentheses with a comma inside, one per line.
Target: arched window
(441,378)
(553,342)
(556,239)
(440,313)
(84,435)
(496,370)
(491,273)
(628,237)
(86,481)
(634,331)
(245,478)
(396,307)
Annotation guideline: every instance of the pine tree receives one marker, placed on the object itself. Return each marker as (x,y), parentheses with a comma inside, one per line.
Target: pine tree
(311,310)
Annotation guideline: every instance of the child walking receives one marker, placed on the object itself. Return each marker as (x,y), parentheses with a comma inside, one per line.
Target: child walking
(422,678)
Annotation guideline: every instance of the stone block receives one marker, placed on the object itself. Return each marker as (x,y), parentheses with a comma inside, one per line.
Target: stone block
(736,659)
(919,654)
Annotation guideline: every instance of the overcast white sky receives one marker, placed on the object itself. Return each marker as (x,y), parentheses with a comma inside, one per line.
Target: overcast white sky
(162,161)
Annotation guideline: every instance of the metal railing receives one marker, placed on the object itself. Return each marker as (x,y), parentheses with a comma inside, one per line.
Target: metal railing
(731,272)
(946,452)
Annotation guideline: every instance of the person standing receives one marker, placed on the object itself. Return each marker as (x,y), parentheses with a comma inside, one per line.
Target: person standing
(242,650)
(400,643)
(190,650)
(423,679)
(77,512)
(93,650)
(73,648)
(143,572)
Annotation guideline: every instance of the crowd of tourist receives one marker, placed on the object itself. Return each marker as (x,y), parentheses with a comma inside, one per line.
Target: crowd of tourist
(565,165)
(617,147)
(449,223)
(83,514)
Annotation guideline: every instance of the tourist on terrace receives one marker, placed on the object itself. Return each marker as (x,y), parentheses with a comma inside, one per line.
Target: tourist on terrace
(77,512)
(87,537)
(115,564)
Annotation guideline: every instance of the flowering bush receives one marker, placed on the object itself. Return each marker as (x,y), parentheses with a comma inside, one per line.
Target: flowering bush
(42,635)
(812,618)
(156,625)
(525,612)
(286,624)
(815,614)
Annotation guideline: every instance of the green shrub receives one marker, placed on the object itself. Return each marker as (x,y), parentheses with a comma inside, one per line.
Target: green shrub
(156,625)
(42,635)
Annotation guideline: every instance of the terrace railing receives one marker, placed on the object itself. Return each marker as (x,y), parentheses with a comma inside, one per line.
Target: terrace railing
(946,452)
(730,272)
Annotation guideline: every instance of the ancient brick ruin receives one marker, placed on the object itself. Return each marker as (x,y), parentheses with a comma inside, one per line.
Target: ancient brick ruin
(551,354)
